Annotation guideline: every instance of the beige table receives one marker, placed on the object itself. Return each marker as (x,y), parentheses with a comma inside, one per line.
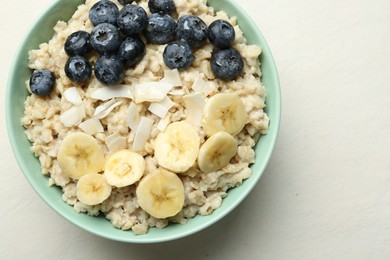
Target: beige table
(326,192)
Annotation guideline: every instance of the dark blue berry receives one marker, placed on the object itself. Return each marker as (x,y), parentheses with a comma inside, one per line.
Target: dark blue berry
(160,29)
(132,19)
(227,64)
(192,29)
(178,55)
(78,44)
(221,34)
(109,70)
(103,11)
(131,51)
(162,6)
(125,2)
(105,38)
(42,82)
(78,69)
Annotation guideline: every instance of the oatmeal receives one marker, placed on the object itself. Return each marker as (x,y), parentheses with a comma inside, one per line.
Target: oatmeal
(142,118)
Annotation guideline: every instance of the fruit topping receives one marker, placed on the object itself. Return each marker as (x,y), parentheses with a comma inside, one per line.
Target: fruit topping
(105,38)
(216,152)
(161,194)
(192,29)
(132,20)
(177,147)
(80,154)
(103,11)
(78,44)
(221,34)
(109,70)
(124,168)
(92,189)
(131,51)
(78,69)
(224,112)
(42,82)
(227,64)
(162,6)
(160,28)
(178,55)
(125,2)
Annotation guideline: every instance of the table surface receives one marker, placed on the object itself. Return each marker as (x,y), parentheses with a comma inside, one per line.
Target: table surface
(326,191)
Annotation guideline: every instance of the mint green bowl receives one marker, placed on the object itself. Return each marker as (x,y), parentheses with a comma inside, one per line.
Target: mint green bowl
(42,31)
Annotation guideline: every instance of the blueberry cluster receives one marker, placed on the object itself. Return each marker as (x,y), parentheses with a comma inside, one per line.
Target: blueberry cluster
(114,37)
(117,37)
(226,62)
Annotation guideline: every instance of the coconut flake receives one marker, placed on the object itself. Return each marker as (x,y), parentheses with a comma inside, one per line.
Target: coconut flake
(73,96)
(177,92)
(201,86)
(164,122)
(103,110)
(151,91)
(161,109)
(194,104)
(91,126)
(143,132)
(100,109)
(133,116)
(106,93)
(116,142)
(158,109)
(172,77)
(167,102)
(73,116)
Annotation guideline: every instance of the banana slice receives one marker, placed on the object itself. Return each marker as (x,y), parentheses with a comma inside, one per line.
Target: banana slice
(124,168)
(177,147)
(92,189)
(161,194)
(224,112)
(80,154)
(216,152)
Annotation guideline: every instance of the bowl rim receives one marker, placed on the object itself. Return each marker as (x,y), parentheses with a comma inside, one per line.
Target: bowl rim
(16,150)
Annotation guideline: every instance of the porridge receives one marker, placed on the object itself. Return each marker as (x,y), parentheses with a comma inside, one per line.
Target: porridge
(161,146)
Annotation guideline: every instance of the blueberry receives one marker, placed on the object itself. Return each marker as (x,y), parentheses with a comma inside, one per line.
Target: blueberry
(78,69)
(105,38)
(162,6)
(132,19)
(109,70)
(192,29)
(42,82)
(78,44)
(227,64)
(221,34)
(103,11)
(178,55)
(160,29)
(131,51)
(125,2)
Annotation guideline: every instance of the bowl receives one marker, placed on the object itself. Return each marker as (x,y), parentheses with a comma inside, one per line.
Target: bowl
(42,31)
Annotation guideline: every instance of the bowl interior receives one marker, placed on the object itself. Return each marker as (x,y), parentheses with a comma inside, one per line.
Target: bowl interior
(42,31)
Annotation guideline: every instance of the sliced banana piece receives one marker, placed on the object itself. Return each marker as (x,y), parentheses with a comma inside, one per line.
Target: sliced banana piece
(216,152)
(224,112)
(124,168)
(80,154)
(177,147)
(161,194)
(92,189)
